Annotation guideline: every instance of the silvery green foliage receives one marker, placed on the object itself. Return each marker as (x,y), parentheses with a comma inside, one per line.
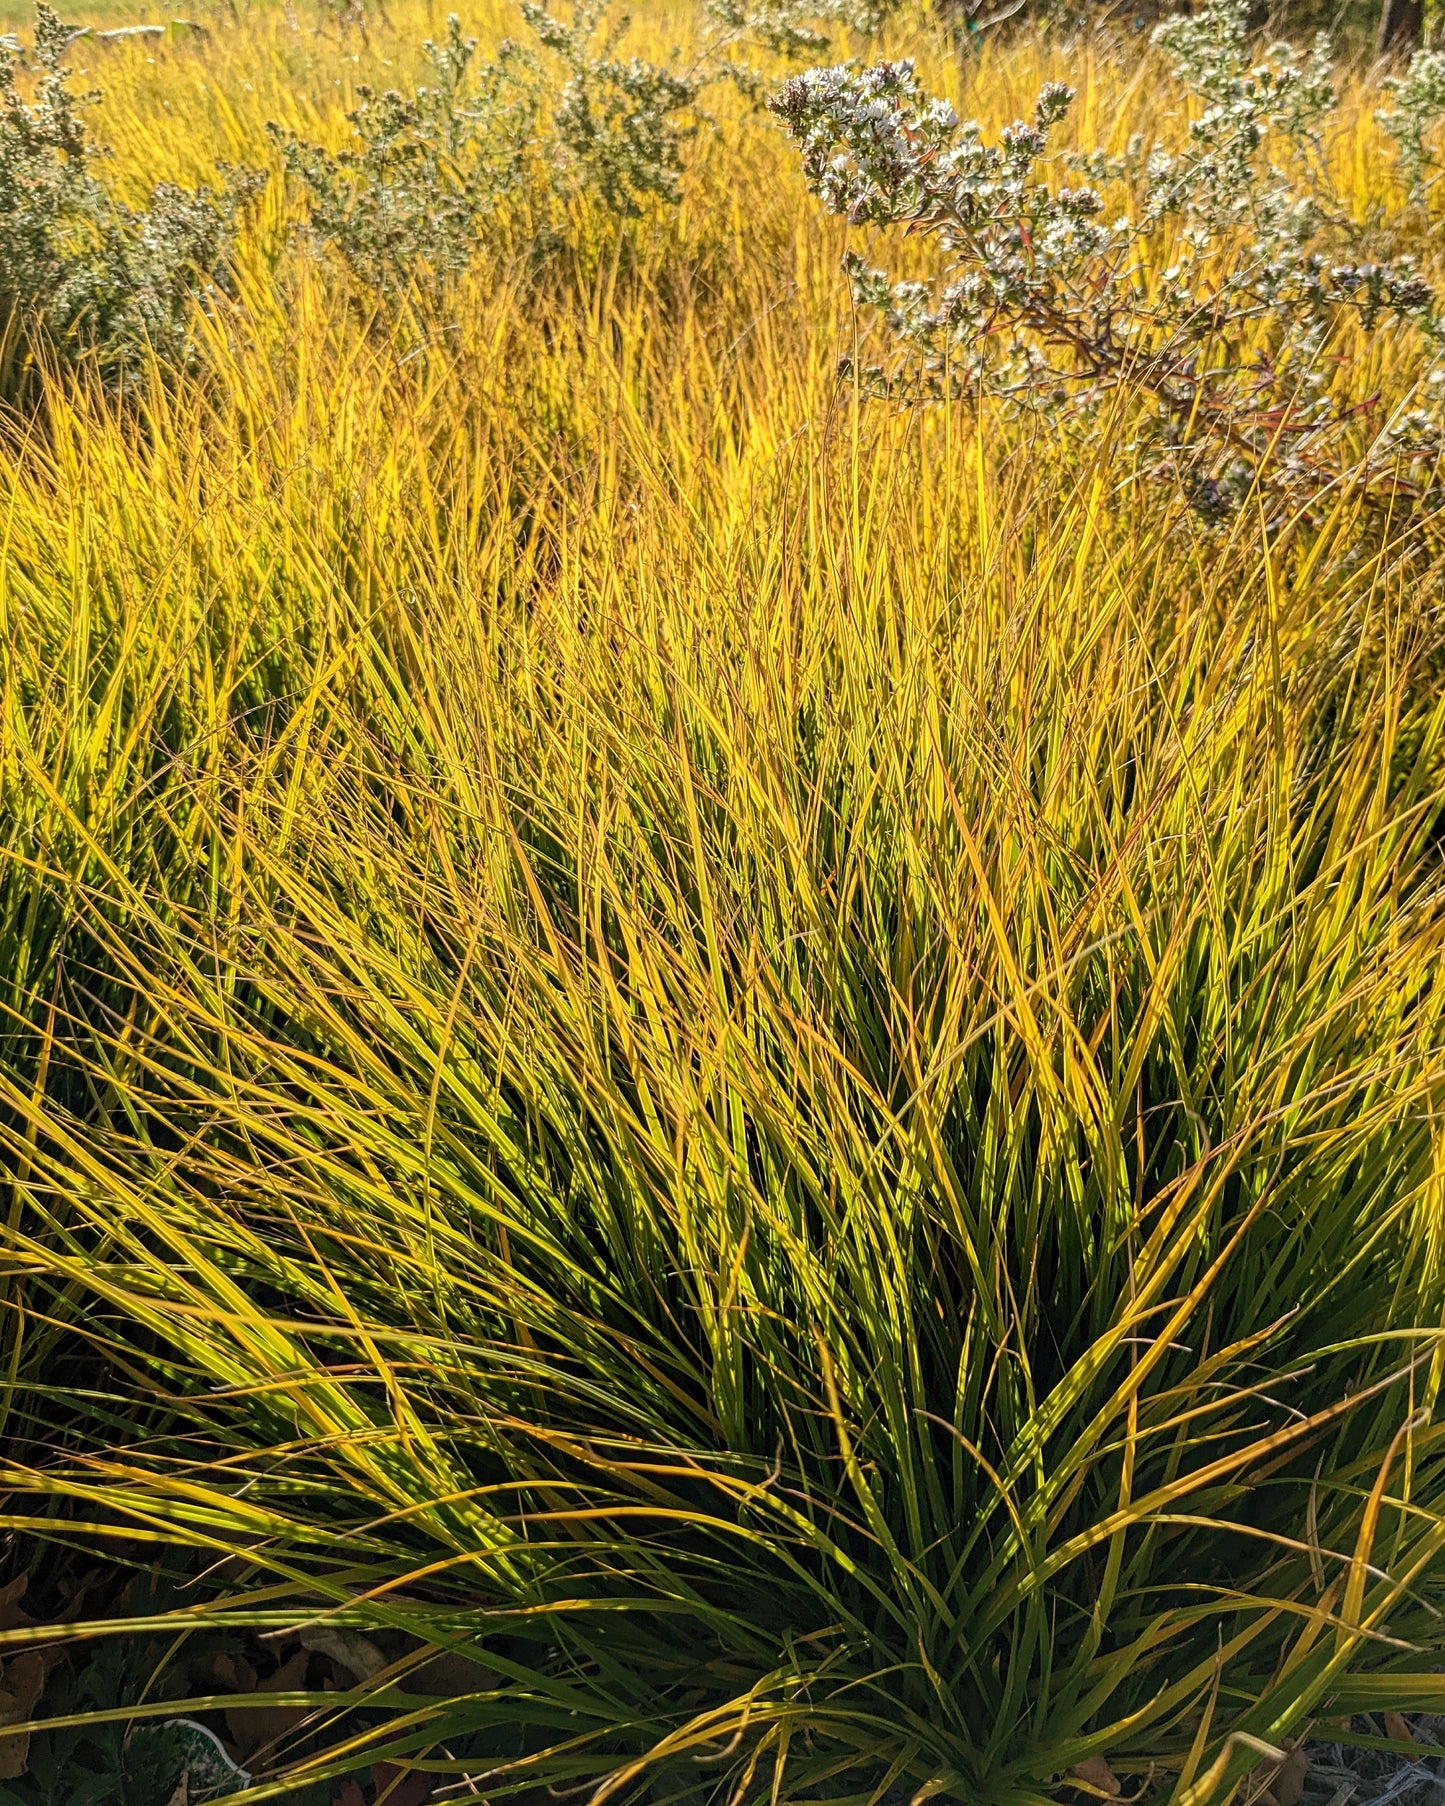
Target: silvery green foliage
(1419,104)
(775,24)
(93,273)
(427,169)
(790,29)
(1053,300)
(618,123)
(430,173)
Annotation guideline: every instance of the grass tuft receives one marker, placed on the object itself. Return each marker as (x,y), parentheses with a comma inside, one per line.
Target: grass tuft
(773,1067)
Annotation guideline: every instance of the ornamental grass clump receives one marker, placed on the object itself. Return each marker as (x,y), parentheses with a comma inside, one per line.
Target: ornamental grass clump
(708,1094)
(1222,287)
(796,1110)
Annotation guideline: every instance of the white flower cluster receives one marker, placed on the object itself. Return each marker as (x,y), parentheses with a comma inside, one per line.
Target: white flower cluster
(1419,104)
(1048,300)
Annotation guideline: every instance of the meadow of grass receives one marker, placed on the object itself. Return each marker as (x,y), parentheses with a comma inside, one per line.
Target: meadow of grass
(773,1067)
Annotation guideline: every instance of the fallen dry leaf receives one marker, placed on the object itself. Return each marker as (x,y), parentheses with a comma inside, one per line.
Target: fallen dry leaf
(401,1786)
(1396,1727)
(350,1650)
(349,1793)
(1288,1782)
(1096,1777)
(182,1795)
(23,1675)
(258,1727)
(1278,1783)
(22,1681)
(234,1672)
(449,1673)
(11,1616)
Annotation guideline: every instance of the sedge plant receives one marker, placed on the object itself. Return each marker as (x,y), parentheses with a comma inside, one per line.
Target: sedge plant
(770,1068)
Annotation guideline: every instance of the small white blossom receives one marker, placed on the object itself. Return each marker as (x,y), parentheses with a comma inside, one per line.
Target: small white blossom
(1051,303)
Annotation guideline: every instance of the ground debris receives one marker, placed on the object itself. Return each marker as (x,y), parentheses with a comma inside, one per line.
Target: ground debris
(1344,1774)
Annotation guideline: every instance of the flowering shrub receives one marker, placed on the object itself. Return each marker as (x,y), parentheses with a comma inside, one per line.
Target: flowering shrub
(428,168)
(74,261)
(1419,103)
(1053,301)
(618,124)
(429,172)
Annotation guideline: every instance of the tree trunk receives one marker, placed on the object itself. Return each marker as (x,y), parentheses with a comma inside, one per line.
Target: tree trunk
(1401,22)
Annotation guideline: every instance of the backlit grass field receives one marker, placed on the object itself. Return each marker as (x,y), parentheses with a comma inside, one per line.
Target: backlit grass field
(770,1066)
